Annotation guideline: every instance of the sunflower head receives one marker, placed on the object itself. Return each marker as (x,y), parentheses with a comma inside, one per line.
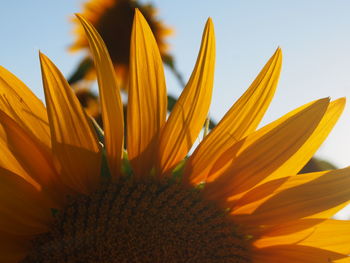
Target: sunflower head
(65,195)
(113,20)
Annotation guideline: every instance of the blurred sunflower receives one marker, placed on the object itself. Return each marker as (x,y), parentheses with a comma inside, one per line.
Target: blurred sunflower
(113,20)
(235,199)
(89,101)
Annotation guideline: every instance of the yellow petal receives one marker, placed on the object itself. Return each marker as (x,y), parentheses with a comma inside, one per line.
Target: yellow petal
(9,162)
(298,197)
(191,110)
(112,107)
(32,156)
(298,160)
(343,260)
(333,235)
(261,153)
(294,254)
(74,141)
(271,182)
(147,101)
(17,101)
(23,209)
(242,119)
(301,157)
(264,151)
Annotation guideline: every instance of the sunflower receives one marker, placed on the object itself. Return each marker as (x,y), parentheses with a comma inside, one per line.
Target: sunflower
(89,101)
(70,193)
(113,20)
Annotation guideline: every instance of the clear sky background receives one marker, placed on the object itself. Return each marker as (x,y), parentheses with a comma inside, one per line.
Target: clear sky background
(314,36)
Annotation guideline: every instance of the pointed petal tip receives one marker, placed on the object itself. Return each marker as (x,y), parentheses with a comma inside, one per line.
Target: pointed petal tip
(324,101)
(137,12)
(83,21)
(341,100)
(278,55)
(339,103)
(43,58)
(79,16)
(209,24)
(138,16)
(111,104)
(209,31)
(279,51)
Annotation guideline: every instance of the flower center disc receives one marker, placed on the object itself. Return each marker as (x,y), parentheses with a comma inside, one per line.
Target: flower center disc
(141,221)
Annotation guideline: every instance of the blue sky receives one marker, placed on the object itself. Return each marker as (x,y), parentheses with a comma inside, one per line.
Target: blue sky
(314,36)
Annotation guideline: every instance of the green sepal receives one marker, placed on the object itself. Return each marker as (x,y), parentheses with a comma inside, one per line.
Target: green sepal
(99,132)
(54,212)
(105,172)
(126,166)
(178,170)
(200,186)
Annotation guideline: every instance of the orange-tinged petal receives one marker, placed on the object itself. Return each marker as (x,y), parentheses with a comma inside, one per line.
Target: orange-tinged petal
(8,161)
(147,101)
(32,156)
(248,202)
(333,235)
(294,254)
(242,119)
(23,209)
(19,102)
(343,260)
(112,107)
(263,152)
(300,196)
(74,141)
(191,110)
(13,248)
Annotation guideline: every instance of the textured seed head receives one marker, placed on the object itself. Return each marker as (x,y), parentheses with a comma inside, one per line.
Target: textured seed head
(141,221)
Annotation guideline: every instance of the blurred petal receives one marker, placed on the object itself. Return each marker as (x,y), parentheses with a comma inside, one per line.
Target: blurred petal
(147,101)
(112,107)
(191,110)
(74,141)
(242,119)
